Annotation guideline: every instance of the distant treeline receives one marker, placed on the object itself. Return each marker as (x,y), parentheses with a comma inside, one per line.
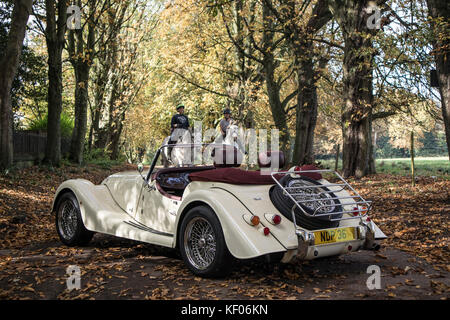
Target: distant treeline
(430,145)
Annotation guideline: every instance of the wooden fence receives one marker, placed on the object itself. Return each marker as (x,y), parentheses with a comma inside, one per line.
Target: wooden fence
(29,145)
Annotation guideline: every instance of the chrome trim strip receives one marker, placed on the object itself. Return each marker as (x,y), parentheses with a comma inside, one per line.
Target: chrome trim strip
(140,226)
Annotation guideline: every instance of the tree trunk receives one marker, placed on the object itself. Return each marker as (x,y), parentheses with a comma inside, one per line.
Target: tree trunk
(115,137)
(357,86)
(356,118)
(279,117)
(101,71)
(54,33)
(413,178)
(108,78)
(81,101)
(441,9)
(355,151)
(8,65)
(306,110)
(273,89)
(95,126)
(336,160)
(105,61)
(113,112)
(81,56)
(306,76)
(243,66)
(372,148)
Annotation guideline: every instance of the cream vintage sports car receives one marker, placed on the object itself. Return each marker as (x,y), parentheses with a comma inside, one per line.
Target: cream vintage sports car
(215,214)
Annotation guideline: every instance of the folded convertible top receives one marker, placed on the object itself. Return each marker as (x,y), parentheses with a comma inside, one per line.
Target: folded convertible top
(232,176)
(238,176)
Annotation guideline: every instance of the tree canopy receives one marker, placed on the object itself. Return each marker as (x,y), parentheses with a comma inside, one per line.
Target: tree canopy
(323,72)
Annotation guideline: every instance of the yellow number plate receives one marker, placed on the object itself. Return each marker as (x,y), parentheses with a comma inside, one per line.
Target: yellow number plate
(334,235)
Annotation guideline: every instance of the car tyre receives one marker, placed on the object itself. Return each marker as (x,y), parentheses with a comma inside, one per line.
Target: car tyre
(202,244)
(284,204)
(69,223)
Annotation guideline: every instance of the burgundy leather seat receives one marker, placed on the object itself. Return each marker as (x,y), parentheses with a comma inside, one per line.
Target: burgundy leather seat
(309,167)
(269,158)
(227,174)
(226,156)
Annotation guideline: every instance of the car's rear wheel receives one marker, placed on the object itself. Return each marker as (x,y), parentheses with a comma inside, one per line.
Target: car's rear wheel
(202,244)
(69,223)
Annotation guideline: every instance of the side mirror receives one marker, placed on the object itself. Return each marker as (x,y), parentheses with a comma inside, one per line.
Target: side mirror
(140,167)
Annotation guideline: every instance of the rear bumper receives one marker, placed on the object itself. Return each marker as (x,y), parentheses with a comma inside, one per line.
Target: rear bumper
(367,235)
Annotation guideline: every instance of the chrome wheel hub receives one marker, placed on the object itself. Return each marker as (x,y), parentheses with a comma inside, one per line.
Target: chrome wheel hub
(201,243)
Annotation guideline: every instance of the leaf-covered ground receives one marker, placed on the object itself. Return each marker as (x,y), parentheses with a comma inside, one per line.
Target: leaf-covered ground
(414,261)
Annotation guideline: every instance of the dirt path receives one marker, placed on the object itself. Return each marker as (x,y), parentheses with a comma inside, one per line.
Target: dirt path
(113,268)
(415,263)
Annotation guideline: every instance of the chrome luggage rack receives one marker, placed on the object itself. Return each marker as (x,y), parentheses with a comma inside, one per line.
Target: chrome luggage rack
(321,200)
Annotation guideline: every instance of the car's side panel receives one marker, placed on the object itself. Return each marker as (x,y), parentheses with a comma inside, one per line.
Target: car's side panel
(257,200)
(243,240)
(155,210)
(230,202)
(101,213)
(125,188)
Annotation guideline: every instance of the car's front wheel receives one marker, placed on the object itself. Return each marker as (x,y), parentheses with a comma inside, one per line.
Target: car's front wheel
(202,244)
(69,223)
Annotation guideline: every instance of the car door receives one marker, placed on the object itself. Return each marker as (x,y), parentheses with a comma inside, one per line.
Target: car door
(156,210)
(125,188)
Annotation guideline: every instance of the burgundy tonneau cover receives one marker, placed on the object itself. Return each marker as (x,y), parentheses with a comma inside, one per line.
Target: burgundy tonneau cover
(232,176)
(238,176)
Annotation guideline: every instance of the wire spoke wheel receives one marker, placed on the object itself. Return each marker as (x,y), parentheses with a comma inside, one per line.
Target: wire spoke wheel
(68,220)
(69,223)
(314,198)
(200,243)
(315,206)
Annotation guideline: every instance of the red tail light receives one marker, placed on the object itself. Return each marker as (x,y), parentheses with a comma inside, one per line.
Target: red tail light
(266,231)
(273,218)
(276,219)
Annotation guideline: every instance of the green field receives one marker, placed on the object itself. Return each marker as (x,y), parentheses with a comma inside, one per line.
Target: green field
(424,166)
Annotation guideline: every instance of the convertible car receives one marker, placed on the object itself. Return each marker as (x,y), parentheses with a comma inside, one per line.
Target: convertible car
(214,214)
